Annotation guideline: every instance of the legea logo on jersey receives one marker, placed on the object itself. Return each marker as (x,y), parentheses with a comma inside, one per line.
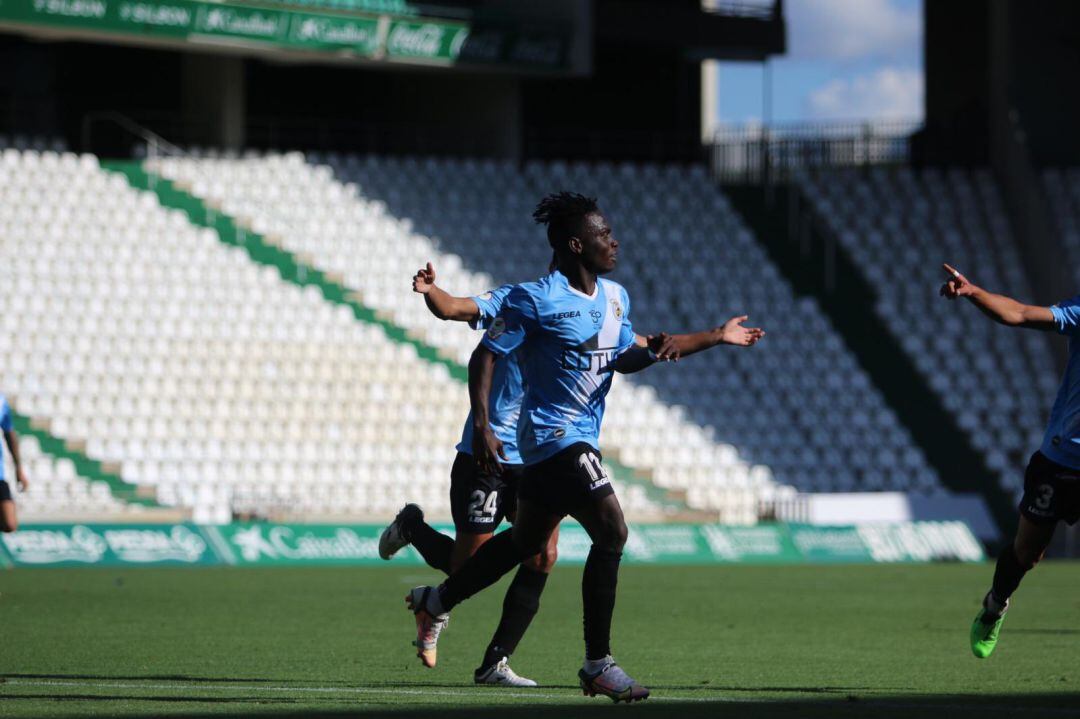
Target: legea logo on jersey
(565,315)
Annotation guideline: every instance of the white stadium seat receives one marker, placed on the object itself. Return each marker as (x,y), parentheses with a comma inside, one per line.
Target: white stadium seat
(374,220)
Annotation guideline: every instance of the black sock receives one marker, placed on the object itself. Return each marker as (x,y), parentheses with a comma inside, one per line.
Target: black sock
(1007,575)
(496,557)
(598,585)
(433,546)
(520,605)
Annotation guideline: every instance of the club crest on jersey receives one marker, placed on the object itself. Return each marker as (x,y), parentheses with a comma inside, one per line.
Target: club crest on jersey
(595,314)
(616,307)
(497,328)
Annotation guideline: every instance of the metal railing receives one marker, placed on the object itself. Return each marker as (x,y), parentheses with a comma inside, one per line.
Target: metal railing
(758,9)
(753,154)
(155,145)
(795,508)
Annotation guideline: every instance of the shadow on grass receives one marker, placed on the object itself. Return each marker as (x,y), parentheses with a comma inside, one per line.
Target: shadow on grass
(146,677)
(660,688)
(419,685)
(888,707)
(826,703)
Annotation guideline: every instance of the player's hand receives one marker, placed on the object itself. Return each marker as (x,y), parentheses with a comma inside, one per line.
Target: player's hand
(424,279)
(487,450)
(957,285)
(664,347)
(733,333)
(20,479)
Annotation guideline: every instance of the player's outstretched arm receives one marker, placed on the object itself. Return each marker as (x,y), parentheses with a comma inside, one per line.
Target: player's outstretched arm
(999,308)
(669,348)
(12,441)
(487,448)
(441,303)
(731,332)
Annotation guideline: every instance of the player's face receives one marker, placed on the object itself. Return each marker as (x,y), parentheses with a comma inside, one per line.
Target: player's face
(599,248)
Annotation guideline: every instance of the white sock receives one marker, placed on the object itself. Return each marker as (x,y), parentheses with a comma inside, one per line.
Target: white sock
(592,666)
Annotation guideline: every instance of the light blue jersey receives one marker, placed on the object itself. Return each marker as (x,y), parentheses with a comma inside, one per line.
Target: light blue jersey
(567,342)
(5,425)
(504,402)
(1062,441)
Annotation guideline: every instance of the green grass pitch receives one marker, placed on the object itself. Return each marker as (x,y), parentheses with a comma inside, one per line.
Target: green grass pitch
(783,641)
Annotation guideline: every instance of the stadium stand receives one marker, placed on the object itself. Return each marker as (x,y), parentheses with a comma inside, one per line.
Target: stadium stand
(899,225)
(1063,192)
(39,143)
(799,408)
(304,209)
(58,490)
(205,376)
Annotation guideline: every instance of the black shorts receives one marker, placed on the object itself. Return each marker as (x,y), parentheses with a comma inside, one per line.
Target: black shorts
(478,501)
(567,481)
(5,492)
(1051,492)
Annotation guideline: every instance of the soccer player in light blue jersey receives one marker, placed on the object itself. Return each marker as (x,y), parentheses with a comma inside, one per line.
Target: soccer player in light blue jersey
(1052,478)
(572,329)
(479,500)
(8,521)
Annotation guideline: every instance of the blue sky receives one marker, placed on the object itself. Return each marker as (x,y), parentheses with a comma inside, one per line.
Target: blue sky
(846,60)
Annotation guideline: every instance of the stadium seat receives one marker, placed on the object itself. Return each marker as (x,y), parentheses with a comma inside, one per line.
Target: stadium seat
(899,225)
(688,262)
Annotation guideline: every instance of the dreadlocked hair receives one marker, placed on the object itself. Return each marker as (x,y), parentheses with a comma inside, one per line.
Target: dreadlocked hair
(562,213)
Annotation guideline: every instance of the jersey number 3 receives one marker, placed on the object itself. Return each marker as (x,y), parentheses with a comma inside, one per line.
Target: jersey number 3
(1046,495)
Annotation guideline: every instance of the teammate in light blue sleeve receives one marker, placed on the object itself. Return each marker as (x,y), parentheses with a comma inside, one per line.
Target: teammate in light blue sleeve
(1052,478)
(8,521)
(507,388)
(571,331)
(479,500)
